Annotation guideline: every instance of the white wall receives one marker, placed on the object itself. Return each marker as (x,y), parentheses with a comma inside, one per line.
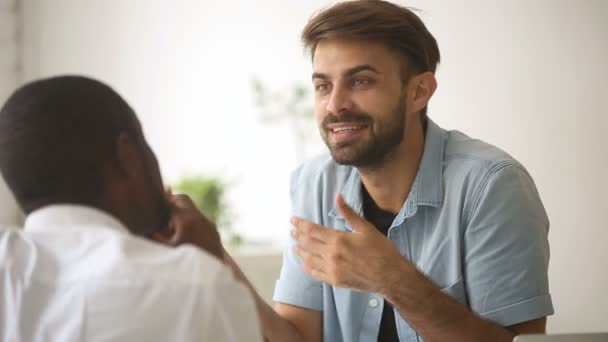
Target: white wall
(528,76)
(186,70)
(9,79)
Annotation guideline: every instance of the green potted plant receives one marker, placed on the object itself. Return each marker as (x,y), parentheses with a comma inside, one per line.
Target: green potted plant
(208,194)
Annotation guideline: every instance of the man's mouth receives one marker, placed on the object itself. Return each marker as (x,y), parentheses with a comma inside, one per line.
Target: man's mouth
(346,128)
(347,132)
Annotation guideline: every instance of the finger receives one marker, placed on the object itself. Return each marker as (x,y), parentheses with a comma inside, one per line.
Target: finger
(183,201)
(310,260)
(175,231)
(357,222)
(162,237)
(308,242)
(320,276)
(316,274)
(312,229)
(166,235)
(179,232)
(168,194)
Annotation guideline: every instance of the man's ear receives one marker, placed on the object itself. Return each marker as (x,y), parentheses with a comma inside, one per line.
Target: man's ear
(127,158)
(422,88)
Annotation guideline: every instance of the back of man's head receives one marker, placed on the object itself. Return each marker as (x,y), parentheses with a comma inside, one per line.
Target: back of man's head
(56,137)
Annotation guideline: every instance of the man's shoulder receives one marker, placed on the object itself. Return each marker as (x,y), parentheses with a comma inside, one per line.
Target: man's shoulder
(113,259)
(472,167)
(469,156)
(149,261)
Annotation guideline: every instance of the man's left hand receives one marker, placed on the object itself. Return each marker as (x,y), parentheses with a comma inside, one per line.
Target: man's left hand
(364,260)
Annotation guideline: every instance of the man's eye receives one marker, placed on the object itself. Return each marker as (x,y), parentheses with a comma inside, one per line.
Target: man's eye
(322,87)
(361,82)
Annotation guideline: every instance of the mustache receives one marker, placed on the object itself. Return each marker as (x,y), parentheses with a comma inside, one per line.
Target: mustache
(347,117)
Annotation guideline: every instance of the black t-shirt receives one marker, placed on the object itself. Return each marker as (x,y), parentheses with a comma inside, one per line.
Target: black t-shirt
(382,220)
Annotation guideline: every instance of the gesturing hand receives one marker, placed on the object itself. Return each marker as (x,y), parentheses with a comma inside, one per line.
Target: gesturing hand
(363,260)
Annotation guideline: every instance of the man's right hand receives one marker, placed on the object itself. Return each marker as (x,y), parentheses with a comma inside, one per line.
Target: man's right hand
(188,225)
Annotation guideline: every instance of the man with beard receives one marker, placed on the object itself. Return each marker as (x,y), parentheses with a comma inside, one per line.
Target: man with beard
(407,231)
(86,266)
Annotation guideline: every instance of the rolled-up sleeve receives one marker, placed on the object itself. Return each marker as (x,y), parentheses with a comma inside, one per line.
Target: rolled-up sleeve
(507,250)
(294,286)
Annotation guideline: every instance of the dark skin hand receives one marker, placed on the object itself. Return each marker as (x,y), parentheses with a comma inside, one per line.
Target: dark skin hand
(187,225)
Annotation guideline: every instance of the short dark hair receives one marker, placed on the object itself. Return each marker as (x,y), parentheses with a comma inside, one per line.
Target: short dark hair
(57,135)
(399,28)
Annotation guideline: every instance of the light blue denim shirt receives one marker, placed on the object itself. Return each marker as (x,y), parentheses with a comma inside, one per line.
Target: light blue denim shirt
(473,223)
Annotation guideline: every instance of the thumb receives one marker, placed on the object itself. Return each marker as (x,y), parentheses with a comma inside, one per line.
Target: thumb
(165,237)
(357,222)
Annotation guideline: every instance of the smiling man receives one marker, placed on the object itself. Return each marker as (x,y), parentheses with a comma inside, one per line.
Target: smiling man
(407,230)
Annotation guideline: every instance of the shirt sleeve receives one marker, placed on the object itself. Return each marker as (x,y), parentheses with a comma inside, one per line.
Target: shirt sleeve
(233,317)
(507,250)
(294,286)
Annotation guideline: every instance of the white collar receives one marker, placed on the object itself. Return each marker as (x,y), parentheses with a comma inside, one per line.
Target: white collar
(48,218)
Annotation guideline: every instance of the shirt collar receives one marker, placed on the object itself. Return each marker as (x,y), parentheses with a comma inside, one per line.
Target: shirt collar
(430,173)
(427,189)
(68,216)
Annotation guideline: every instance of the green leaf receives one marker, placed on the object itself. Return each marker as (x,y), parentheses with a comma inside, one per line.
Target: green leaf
(207,193)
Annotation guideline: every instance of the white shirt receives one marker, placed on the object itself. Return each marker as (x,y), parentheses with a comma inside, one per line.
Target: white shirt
(76,274)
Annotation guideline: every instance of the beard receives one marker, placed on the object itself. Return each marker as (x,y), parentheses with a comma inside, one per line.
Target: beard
(385,134)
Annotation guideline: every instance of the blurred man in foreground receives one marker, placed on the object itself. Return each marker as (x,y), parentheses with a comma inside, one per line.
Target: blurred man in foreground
(86,266)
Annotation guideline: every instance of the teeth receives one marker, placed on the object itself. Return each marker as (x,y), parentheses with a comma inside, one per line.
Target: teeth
(344,129)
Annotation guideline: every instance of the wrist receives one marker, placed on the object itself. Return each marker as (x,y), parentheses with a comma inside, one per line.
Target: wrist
(406,287)
(393,279)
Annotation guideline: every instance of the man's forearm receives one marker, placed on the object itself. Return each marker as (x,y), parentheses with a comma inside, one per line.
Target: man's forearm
(435,315)
(274,327)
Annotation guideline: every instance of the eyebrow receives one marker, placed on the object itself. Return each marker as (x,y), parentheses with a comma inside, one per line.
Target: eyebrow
(349,72)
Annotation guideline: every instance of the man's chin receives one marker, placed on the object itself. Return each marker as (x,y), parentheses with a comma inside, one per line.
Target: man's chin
(349,153)
(345,159)
(358,159)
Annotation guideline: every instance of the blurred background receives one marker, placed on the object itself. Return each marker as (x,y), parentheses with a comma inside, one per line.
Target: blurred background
(223,91)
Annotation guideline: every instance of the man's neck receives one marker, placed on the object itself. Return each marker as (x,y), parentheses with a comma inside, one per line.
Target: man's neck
(390,184)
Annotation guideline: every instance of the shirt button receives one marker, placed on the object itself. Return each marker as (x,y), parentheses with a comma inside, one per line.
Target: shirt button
(373,302)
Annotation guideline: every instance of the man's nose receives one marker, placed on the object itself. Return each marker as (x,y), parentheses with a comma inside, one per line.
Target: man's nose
(339,102)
